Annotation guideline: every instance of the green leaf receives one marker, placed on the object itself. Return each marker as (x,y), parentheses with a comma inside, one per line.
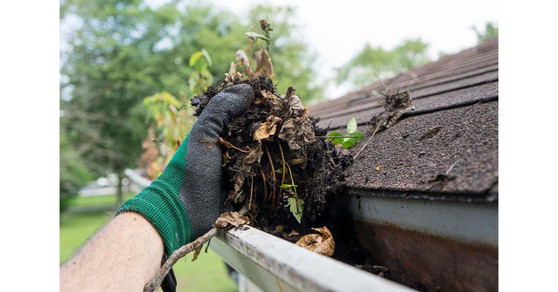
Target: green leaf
(200,66)
(352,125)
(331,137)
(286,186)
(193,81)
(296,206)
(207,57)
(355,137)
(279,170)
(347,144)
(255,36)
(195,57)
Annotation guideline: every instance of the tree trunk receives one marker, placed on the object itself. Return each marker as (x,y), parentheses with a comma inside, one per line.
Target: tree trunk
(119,193)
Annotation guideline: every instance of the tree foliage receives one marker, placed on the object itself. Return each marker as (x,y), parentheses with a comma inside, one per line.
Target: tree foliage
(490,31)
(386,63)
(75,174)
(293,63)
(120,51)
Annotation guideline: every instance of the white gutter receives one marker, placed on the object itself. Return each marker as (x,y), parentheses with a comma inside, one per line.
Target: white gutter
(274,264)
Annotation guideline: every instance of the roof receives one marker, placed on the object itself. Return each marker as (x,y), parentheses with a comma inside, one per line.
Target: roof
(446,148)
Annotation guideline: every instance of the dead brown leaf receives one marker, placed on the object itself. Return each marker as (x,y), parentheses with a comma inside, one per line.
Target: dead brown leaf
(297,132)
(272,98)
(263,64)
(230,219)
(430,133)
(197,252)
(242,58)
(232,69)
(293,233)
(267,128)
(230,77)
(322,243)
(395,105)
(296,106)
(245,166)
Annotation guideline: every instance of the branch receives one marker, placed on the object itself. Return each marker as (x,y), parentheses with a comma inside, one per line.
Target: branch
(225,221)
(367,141)
(175,256)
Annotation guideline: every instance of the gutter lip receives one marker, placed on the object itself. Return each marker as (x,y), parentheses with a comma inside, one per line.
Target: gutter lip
(315,272)
(300,268)
(487,197)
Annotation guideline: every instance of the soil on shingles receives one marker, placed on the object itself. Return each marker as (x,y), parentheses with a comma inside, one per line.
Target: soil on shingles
(274,152)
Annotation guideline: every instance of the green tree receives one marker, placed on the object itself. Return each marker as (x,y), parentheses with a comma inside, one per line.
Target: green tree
(293,63)
(386,63)
(73,173)
(120,51)
(490,31)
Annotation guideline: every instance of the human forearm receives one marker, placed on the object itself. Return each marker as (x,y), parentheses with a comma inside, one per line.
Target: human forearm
(123,256)
(179,206)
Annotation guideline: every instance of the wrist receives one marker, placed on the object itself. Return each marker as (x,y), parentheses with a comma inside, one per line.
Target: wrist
(162,206)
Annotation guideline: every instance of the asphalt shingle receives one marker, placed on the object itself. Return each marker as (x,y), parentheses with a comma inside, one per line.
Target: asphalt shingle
(456,98)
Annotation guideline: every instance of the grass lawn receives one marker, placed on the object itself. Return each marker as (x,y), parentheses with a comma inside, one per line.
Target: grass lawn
(207,273)
(97,201)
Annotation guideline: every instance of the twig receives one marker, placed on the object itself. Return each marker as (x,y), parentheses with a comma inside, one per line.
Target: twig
(270,163)
(451,167)
(251,192)
(175,256)
(366,143)
(283,179)
(180,253)
(335,137)
(230,145)
(264,185)
(273,174)
(250,57)
(385,87)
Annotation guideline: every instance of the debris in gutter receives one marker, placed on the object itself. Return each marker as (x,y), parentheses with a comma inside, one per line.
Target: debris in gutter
(230,219)
(440,180)
(279,169)
(395,105)
(430,133)
(321,243)
(276,159)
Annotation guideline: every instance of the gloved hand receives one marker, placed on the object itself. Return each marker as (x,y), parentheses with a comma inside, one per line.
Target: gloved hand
(186,199)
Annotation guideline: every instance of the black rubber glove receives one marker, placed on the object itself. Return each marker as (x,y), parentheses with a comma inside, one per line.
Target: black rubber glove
(201,191)
(186,199)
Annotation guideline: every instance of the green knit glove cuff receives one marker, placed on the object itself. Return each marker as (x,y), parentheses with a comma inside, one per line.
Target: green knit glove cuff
(161,205)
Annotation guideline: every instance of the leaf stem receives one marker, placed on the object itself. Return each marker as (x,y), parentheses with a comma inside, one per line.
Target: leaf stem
(292,180)
(283,179)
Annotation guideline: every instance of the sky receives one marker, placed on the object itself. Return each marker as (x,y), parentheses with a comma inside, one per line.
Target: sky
(338,30)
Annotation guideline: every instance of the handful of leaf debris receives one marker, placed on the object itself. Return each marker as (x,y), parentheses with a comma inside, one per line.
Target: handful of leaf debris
(275,158)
